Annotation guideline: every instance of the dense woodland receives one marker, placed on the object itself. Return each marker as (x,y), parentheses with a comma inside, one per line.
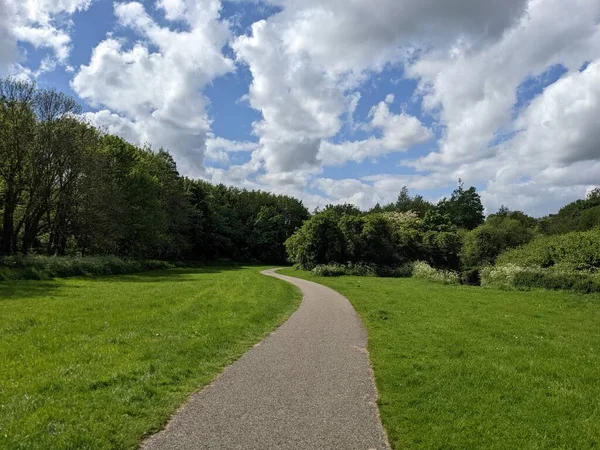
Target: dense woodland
(68,189)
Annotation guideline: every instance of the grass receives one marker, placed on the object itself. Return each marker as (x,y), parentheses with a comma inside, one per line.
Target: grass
(461,367)
(99,363)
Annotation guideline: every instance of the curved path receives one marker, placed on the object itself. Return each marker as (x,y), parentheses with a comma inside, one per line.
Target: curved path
(306,386)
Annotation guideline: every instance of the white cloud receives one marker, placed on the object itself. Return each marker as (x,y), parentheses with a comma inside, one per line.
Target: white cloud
(308,62)
(218,149)
(156,94)
(44,24)
(399,132)
(557,151)
(474,90)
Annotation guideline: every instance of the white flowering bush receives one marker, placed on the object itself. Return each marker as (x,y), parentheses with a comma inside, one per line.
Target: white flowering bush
(500,276)
(423,270)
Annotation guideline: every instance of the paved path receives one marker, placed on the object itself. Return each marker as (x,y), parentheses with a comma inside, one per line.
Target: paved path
(306,386)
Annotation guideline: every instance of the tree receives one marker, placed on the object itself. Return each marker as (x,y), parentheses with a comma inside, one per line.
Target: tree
(406,203)
(500,232)
(318,241)
(464,207)
(17,137)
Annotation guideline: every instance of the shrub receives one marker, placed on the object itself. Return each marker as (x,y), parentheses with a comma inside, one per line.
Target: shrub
(362,270)
(423,270)
(37,267)
(483,244)
(318,241)
(577,251)
(329,270)
(500,275)
(471,277)
(511,275)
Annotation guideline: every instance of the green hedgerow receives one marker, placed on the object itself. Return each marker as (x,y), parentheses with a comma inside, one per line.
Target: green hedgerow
(38,267)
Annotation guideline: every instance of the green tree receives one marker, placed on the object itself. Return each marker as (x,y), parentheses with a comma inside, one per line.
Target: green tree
(499,233)
(464,207)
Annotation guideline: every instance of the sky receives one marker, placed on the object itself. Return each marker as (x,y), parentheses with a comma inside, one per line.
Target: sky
(335,101)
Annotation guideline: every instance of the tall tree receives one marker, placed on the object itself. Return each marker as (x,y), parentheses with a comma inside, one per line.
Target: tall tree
(17,137)
(464,207)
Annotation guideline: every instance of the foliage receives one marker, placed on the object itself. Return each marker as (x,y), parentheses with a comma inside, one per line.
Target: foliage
(424,271)
(513,276)
(46,267)
(577,251)
(464,207)
(416,204)
(318,241)
(382,239)
(68,189)
(101,363)
(482,245)
(511,369)
(580,215)
(362,270)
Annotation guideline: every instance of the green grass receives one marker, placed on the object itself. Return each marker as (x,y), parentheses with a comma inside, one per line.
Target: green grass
(462,367)
(99,363)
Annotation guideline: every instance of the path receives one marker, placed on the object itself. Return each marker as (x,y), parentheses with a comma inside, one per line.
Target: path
(306,386)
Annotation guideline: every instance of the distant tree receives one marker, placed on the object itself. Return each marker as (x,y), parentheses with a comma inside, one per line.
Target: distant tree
(464,207)
(485,243)
(580,215)
(318,241)
(417,203)
(434,220)
(343,210)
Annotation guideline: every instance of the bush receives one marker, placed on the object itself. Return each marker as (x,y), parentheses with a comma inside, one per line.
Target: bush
(577,251)
(329,270)
(362,270)
(423,270)
(483,244)
(500,275)
(513,276)
(318,241)
(38,267)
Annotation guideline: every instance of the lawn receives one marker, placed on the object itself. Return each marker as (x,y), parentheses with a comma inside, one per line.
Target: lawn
(99,363)
(462,367)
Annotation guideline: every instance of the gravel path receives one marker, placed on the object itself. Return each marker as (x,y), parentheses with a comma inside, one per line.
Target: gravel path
(307,386)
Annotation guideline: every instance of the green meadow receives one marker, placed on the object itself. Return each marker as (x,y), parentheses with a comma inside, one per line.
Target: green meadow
(99,363)
(461,367)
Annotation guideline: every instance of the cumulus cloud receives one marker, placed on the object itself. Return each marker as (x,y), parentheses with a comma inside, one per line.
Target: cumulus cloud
(474,90)
(309,62)
(153,90)
(8,48)
(399,132)
(44,24)
(308,59)
(218,149)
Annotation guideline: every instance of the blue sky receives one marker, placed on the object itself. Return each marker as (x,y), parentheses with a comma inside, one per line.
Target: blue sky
(335,102)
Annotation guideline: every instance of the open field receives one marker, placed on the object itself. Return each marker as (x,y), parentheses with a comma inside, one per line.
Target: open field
(98,363)
(468,368)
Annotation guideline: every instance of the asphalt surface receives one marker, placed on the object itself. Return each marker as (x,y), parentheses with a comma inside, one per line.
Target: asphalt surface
(308,385)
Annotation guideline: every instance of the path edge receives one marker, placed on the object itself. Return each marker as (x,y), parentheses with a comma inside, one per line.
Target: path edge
(146,437)
(371,371)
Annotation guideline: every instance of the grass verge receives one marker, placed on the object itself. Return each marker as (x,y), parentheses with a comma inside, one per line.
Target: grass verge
(99,363)
(461,367)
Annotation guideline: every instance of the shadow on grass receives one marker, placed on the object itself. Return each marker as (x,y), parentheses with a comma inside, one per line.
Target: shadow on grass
(171,275)
(21,289)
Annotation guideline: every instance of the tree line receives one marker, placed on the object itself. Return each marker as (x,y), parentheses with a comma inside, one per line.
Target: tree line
(68,189)
(452,234)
